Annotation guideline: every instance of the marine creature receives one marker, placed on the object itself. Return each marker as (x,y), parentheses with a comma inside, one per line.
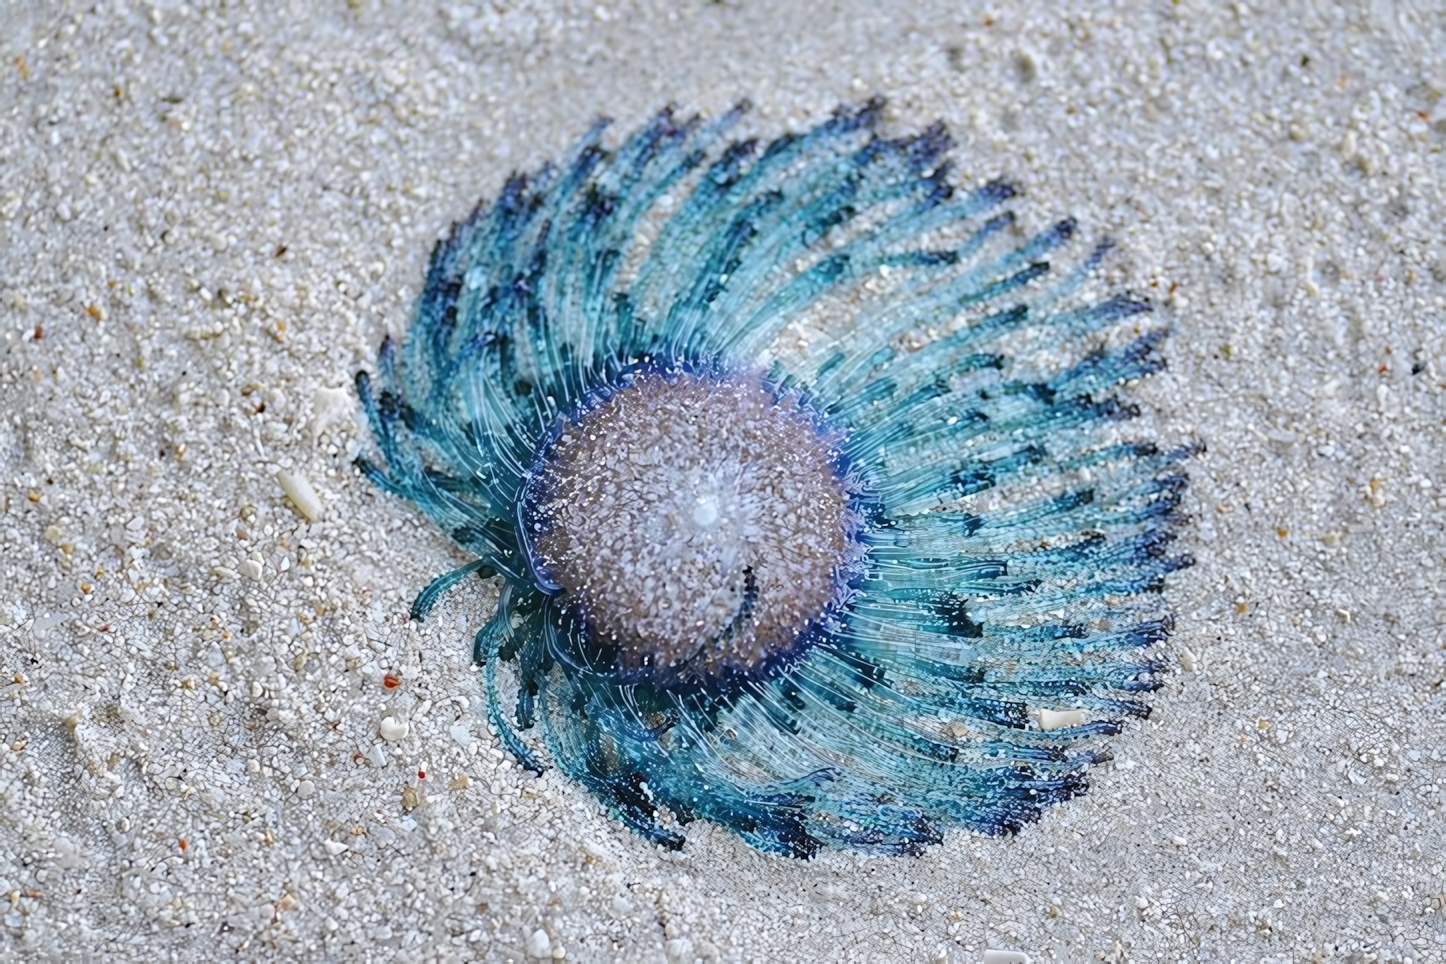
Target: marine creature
(806,477)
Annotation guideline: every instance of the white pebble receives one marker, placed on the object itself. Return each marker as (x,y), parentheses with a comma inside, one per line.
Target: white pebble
(1059,719)
(461,734)
(251,569)
(303,497)
(334,847)
(992,956)
(328,406)
(44,624)
(393,729)
(1187,661)
(305,789)
(539,945)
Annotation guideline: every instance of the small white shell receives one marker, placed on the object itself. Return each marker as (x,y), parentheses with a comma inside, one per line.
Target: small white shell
(393,729)
(303,497)
(1059,719)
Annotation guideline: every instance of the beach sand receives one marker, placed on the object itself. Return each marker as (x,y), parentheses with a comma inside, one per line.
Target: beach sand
(210,215)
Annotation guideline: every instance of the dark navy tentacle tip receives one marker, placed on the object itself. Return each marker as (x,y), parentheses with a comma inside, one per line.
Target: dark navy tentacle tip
(742,106)
(866,116)
(996,192)
(375,475)
(1064,230)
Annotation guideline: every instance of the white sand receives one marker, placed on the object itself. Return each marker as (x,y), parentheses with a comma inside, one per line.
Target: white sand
(207,211)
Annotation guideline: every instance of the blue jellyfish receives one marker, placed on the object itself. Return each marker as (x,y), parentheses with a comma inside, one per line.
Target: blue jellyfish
(805,477)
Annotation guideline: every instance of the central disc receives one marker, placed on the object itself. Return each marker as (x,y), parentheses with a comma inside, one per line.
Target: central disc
(696,524)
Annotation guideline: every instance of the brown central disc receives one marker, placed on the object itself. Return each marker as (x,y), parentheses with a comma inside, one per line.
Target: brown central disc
(694,523)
